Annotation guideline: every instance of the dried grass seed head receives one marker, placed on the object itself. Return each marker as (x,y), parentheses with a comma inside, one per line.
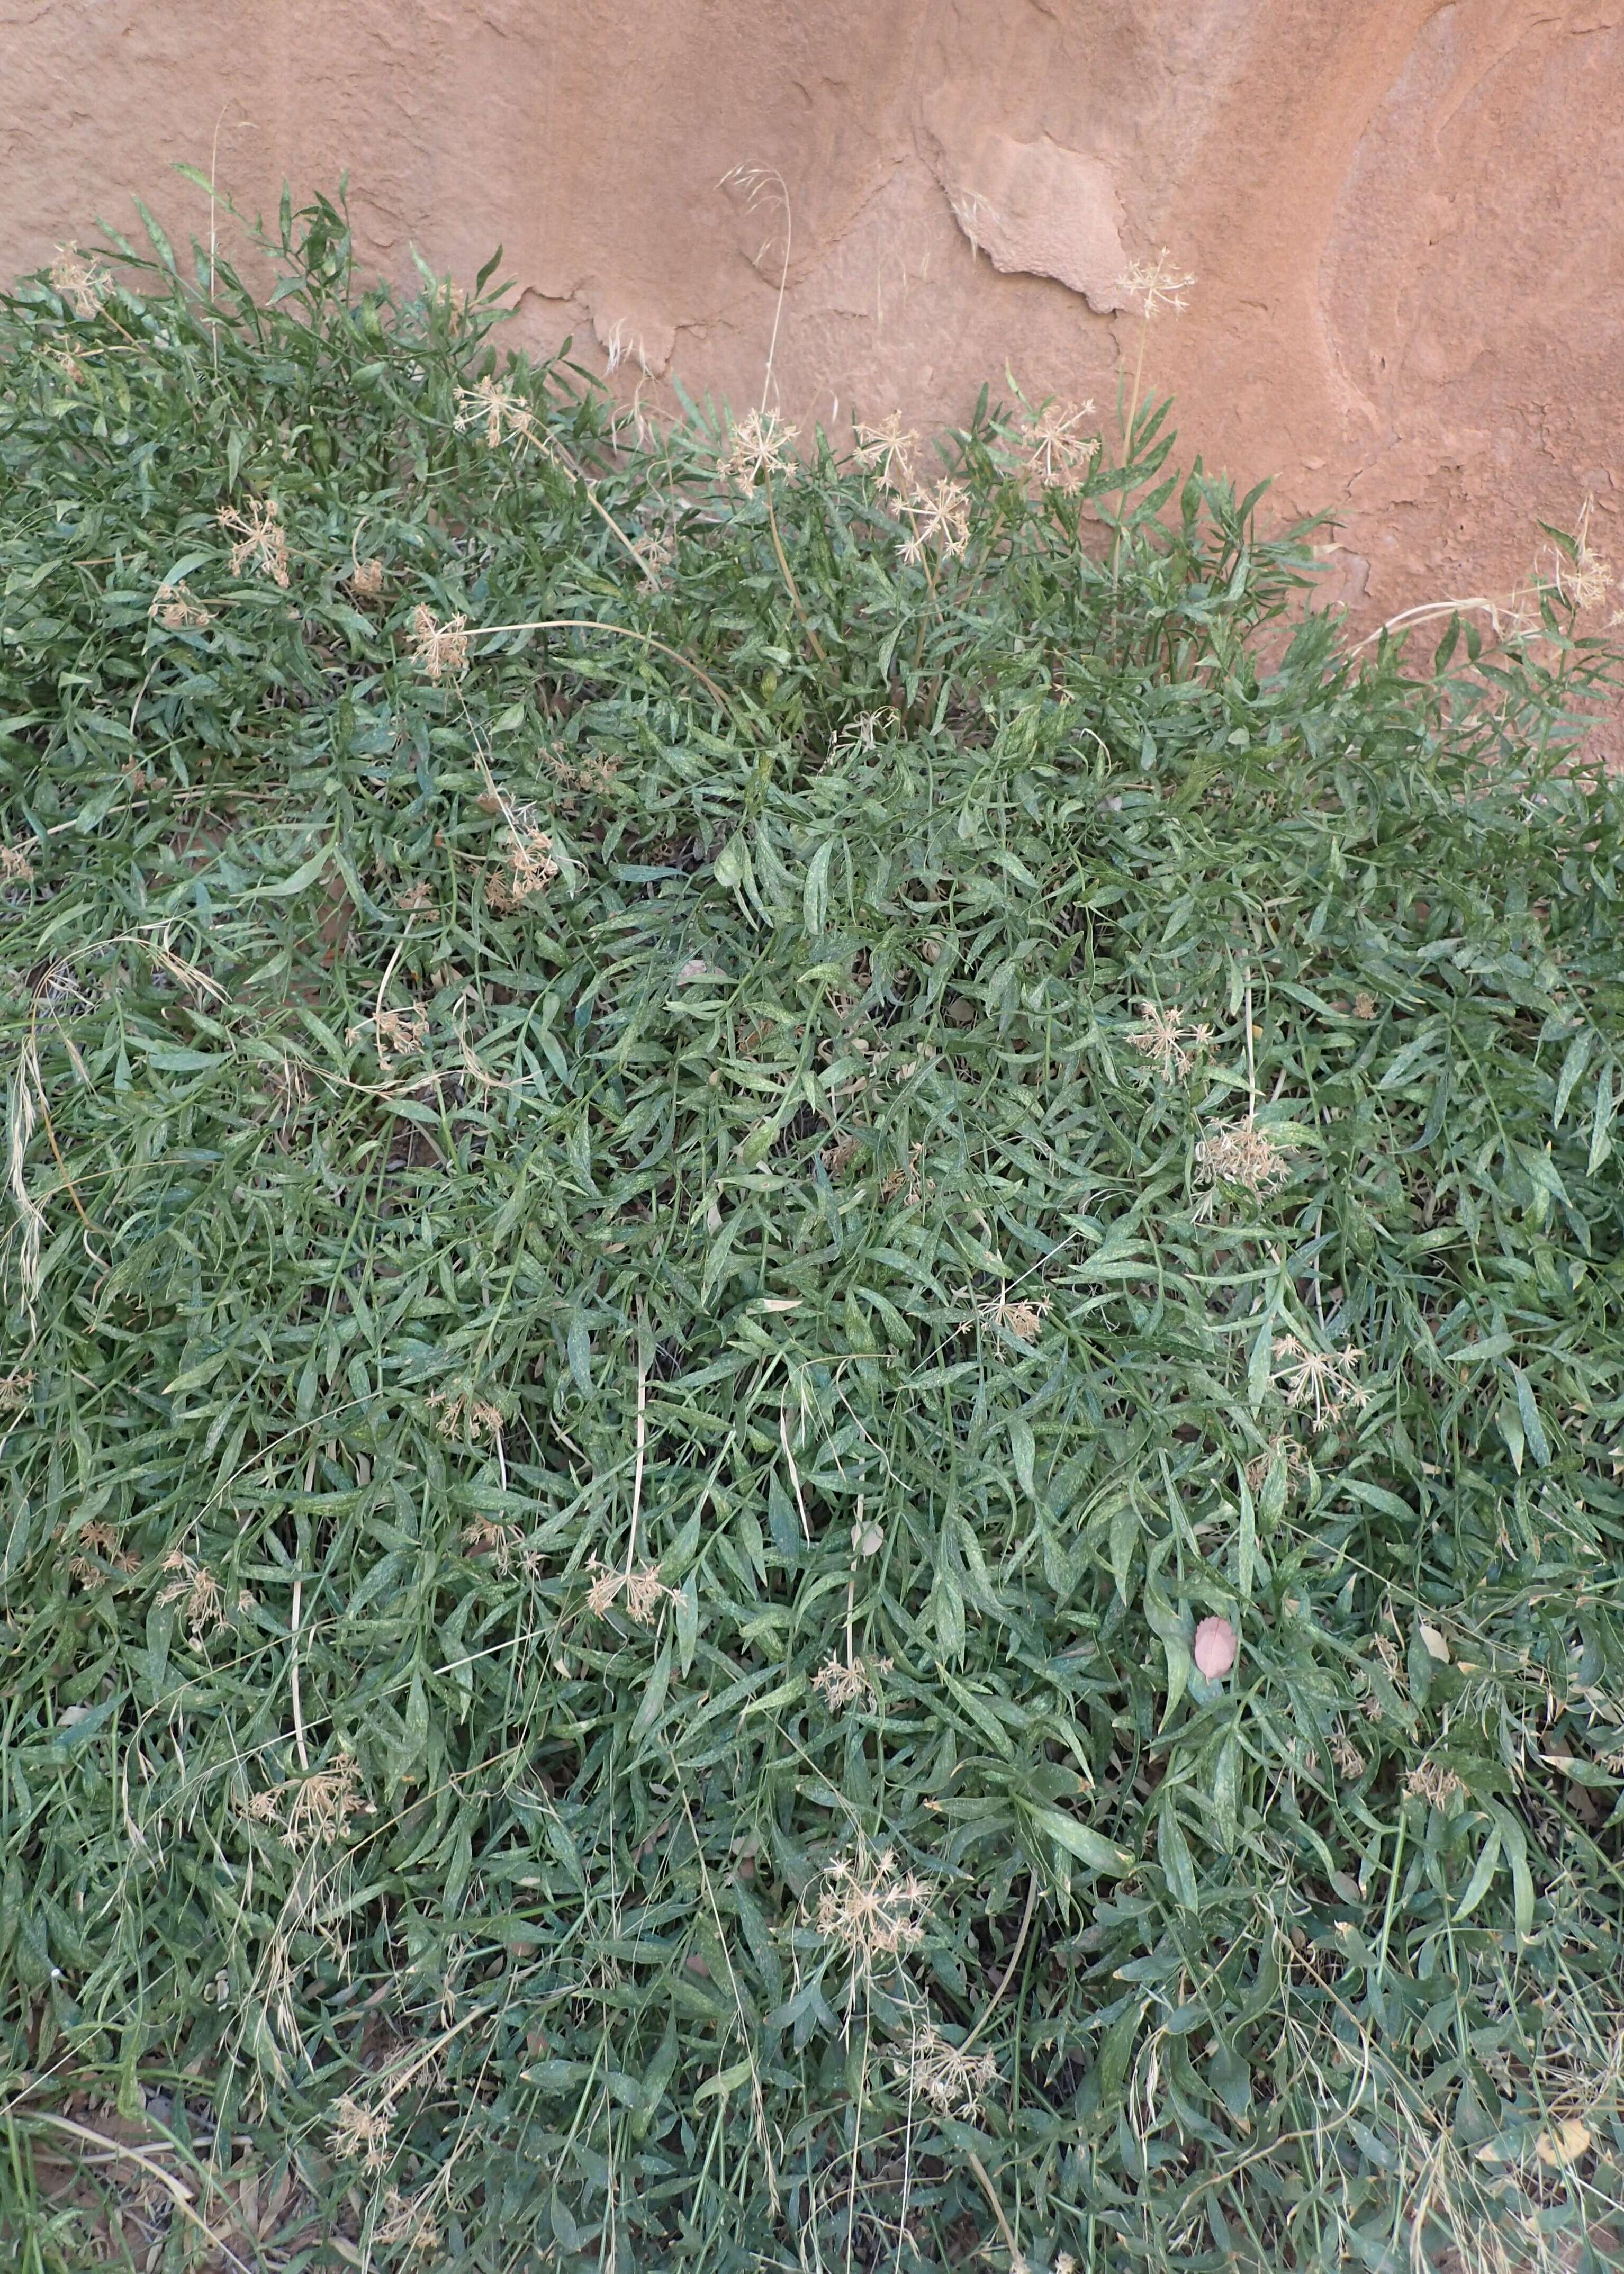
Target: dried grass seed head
(79,277)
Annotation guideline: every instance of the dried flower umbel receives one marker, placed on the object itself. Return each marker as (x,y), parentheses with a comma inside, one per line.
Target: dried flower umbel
(941,517)
(15,866)
(438,648)
(1326,1378)
(1240,1153)
(79,277)
(174,608)
(841,1682)
(643,1590)
(759,444)
(1161,1037)
(1059,456)
(196,1587)
(950,2079)
(887,451)
(869,1910)
(1152,286)
(260,541)
(313,1811)
(504,415)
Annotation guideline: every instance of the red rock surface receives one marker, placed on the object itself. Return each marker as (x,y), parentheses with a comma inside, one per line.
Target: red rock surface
(1402,216)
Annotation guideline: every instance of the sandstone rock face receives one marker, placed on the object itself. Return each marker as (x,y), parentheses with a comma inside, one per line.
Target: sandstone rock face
(1401,214)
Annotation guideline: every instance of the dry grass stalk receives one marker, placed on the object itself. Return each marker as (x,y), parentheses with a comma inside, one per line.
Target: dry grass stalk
(26,1097)
(174,608)
(79,277)
(840,1683)
(1240,1153)
(1161,1038)
(15,866)
(1328,1377)
(950,2079)
(438,648)
(261,542)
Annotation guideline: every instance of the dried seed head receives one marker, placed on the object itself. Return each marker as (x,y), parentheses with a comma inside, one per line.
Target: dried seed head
(367,578)
(1058,456)
(406,2219)
(1328,1377)
(15,866)
(1240,1153)
(1364,1006)
(951,2080)
(840,1685)
(197,1588)
(1161,1036)
(77,277)
(438,648)
(1151,285)
(869,1911)
(360,2132)
(940,517)
(14,1390)
(261,542)
(888,451)
(395,1034)
(176,609)
(759,444)
(485,1537)
(501,412)
(1433,1783)
(463,1413)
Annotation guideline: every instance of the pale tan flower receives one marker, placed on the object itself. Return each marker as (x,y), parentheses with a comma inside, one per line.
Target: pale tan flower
(485,1537)
(840,1684)
(1240,1153)
(81,279)
(869,1911)
(395,1034)
(461,1411)
(1328,1377)
(177,610)
(888,451)
(361,2132)
(407,2219)
(1058,457)
(941,516)
(501,412)
(1364,1006)
(1161,1038)
(262,541)
(951,2080)
(197,1588)
(367,578)
(759,444)
(1153,285)
(438,648)
(1433,1783)
(644,1589)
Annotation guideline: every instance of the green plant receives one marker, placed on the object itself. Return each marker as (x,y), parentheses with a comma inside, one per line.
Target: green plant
(698,1146)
